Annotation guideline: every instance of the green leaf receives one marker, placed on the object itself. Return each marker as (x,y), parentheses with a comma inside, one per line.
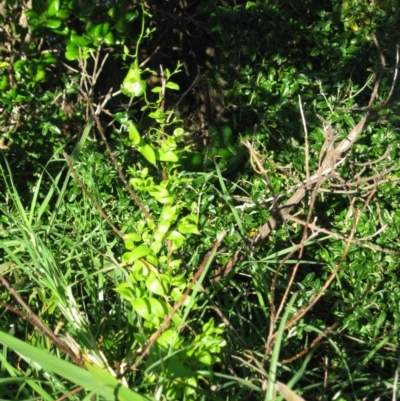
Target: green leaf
(109,39)
(148,152)
(134,135)
(130,240)
(205,357)
(3,83)
(160,193)
(169,338)
(101,30)
(167,156)
(125,290)
(72,52)
(172,85)
(154,285)
(62,14)
(64,31)
(156,245)
(168,213)
(148,306)
(135,237)
(157,115)
(131,16)
(79,40)
(133,85)
(140,252)
(185,228)
(163,227)
(53,7)
(175,235)
(53,23)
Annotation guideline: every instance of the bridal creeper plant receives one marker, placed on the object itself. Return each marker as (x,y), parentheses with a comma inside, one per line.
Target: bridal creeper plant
(156,280)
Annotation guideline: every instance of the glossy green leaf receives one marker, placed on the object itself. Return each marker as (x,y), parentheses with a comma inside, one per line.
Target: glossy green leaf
(135,237)
(167,156)
(79,40)
(148,306)
(52,7)
(133,88)
(101,30)
(72,52)
(169,338)
(109,39)
(53,23)
(186,228)
(172,85)
(140,252)
(131,16)
(175,235)
(133,85)
(168,213)
(205,357)
(155,286)
(134,135)
(63,31)
(62,14)
(148,152)
(125,290)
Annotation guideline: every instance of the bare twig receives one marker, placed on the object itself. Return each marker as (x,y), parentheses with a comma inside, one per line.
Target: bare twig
(306,146)
(305,351)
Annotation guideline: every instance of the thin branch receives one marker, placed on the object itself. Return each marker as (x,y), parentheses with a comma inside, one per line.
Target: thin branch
(305,351)
(306,146)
